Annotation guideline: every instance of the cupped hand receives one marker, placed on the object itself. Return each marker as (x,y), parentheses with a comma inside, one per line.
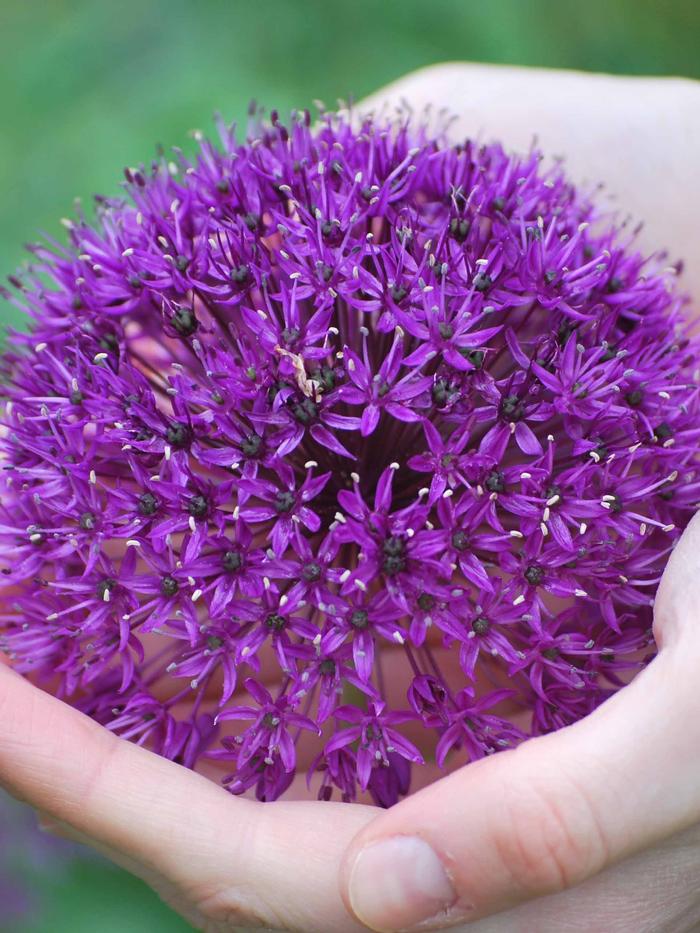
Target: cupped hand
(596,827)
(521,825)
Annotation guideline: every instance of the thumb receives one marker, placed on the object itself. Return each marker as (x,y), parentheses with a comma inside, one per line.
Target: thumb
(543,817)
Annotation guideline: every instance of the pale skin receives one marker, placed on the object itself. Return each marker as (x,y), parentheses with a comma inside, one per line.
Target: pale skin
(594,828)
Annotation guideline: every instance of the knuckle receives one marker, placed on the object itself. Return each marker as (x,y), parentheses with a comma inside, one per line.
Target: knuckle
(551,838)
(233,908)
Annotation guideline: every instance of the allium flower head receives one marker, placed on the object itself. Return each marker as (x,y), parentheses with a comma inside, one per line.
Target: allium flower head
(340,439)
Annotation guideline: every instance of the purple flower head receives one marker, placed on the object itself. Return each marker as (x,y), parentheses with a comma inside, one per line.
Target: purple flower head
(338,440)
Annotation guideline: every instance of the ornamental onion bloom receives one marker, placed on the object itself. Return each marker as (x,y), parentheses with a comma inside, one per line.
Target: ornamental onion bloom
(338,442)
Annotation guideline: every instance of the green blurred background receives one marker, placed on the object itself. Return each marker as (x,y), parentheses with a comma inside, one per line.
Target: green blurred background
(89,87)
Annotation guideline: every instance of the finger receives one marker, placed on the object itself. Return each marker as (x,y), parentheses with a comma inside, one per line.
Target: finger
(557,810)
(237,861)
(640,136)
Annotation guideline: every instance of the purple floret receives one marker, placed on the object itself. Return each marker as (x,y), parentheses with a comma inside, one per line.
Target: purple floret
(340,440)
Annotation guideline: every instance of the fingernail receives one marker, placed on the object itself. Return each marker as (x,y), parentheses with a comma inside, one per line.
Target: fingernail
(398,883)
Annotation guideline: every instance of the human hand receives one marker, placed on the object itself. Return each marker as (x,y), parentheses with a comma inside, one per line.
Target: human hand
(224,863)
(545,825)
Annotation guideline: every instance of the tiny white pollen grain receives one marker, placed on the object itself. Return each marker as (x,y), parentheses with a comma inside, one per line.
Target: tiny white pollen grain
(516,534)
(526,476)
(196,595)
(93,478)
(518,600)
(580,593)
(582,528)
(133,543)
(266,583)
(393,466)
(448,493)
(193,524)
(360,585)
(544,529)
(168,452)
(339,517)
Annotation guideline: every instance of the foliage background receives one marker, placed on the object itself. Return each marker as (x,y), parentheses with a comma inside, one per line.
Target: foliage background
(89,86)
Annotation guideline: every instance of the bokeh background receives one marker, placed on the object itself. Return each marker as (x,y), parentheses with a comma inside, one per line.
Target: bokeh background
(89,86)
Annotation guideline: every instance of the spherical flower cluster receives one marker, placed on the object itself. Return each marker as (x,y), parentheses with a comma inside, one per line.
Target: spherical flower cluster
(337,442)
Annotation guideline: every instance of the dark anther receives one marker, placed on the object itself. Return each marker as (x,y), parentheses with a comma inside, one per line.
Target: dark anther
(327,667)
(398,292)
(663,431)
(327,378)
(198,506)
(250,446)
(251,220)
(498,203)
(214,642)
(550,275)
(634,398)
(76,303)
(359,619)
(169,586)
(443,393)
(178,435)
(446,331)
(105,586)
(426,602)
(383,389)
(601,451)
(615,284)
(222,186)
(304,411)
(135,281)
(482,282)
(394,555)
(326,271)
(181,263)
(512,409)
(76,397)
(290,335)
(275,622)
(367,193)
(666,495)
(460,541)
(551,492)
(615,504)
(311,572)
(217,398)
(550,654)
(232,561)
(330,228)
(87,521)
(109,343)
(148,504)
(481,625)
(459,229)
(475,357)
(239,275)
(534,575)
(284,501)
(184,322)
(564,332)
(495,481)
